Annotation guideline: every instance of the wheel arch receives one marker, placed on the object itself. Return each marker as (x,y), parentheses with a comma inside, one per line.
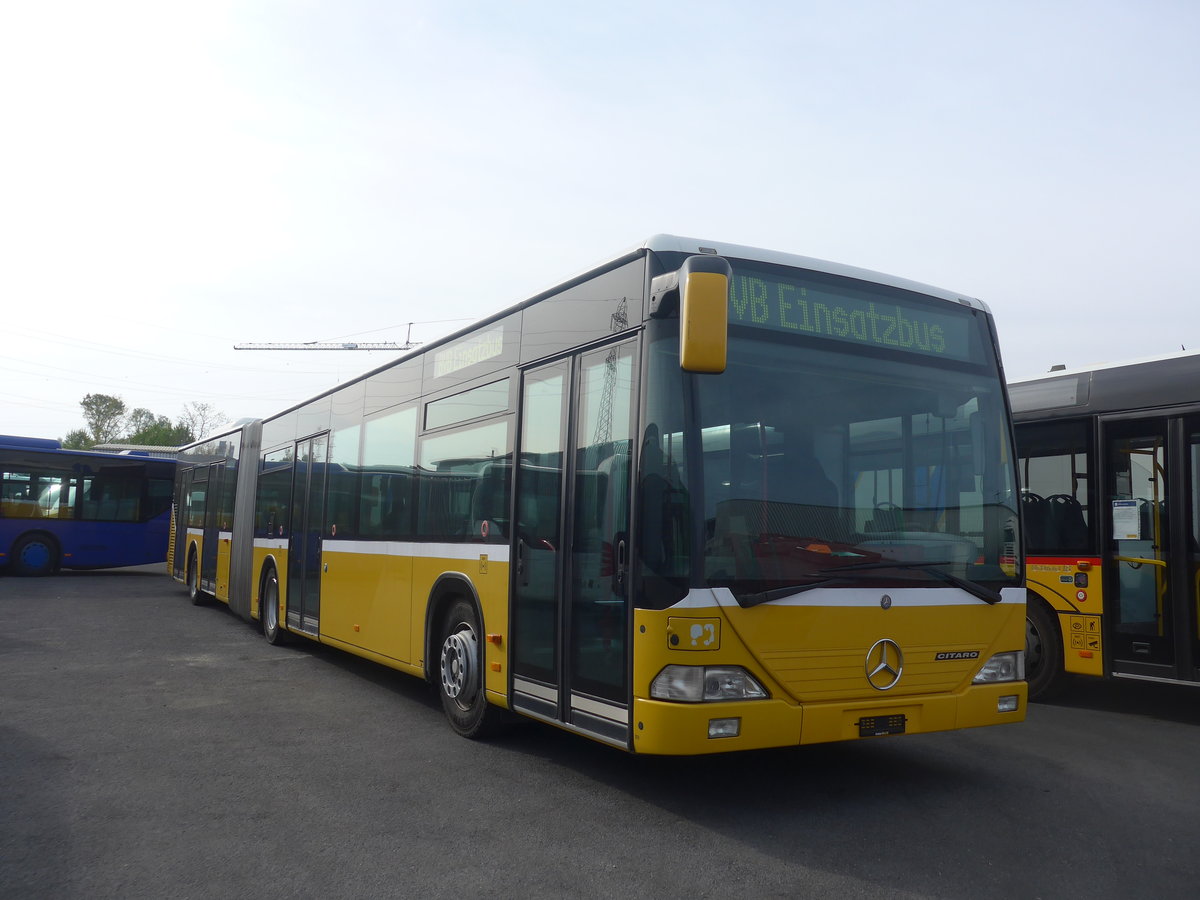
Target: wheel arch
(1032,596)
(1041,614)
(269,564)
(50,539)
(448,587)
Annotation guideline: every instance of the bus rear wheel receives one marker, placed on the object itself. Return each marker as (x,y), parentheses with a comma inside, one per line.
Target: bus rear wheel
(193,581)
(34,555)
(460,674)
(269,611)
(1043,651)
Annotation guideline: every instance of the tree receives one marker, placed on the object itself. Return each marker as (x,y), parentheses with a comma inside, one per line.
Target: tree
(78,439)
(201,418)
(140,420)
(105,417)
(109,420)
(156,431)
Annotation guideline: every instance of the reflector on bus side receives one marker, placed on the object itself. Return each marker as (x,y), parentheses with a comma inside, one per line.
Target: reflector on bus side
(703,314)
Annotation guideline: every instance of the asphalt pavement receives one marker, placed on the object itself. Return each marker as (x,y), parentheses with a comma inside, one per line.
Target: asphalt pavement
(149,748)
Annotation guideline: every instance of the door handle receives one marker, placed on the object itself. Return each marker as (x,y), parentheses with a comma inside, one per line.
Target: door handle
(522,568)
(620,554)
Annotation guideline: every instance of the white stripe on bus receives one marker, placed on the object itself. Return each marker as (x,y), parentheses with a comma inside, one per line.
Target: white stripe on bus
(420,549)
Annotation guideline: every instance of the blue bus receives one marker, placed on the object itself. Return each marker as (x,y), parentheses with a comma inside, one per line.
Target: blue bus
(72,509)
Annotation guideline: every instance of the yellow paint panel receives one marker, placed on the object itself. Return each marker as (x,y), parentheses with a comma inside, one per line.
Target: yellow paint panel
(1078,602)
(1083,645)
(366,601)
(682,728)
(222,573)
(812,662)
(818,654)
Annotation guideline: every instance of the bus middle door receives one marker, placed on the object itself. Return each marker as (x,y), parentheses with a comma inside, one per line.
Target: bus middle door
(305,535)
(212,528)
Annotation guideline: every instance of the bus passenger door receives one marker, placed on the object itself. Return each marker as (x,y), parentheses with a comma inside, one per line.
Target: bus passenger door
(212,528)
(570,606)
(1152,558)
(1191,571)
(179,542)
(196,514)
(537,539)
(304,535)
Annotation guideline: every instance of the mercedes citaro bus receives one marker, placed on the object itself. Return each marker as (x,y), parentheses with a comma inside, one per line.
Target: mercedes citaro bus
(698,498)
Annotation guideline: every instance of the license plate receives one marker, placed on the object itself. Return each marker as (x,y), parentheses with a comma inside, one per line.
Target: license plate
(873,726)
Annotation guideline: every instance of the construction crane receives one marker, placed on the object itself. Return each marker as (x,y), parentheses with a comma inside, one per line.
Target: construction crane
(618,321)
(334,345)
(317,345)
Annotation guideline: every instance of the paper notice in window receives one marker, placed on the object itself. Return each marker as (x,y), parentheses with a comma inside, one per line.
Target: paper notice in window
(1126,523)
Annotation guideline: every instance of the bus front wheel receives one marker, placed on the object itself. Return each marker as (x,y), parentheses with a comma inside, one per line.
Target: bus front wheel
(460,674)
(1043,650)
(34,555)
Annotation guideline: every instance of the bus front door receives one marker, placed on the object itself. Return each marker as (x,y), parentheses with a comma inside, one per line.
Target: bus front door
(305,534)
(570,608)
(1152,467)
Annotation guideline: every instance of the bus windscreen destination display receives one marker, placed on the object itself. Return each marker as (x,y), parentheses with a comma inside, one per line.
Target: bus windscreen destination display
(766,300)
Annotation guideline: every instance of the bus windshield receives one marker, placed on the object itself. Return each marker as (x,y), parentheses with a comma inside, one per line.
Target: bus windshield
(807,457)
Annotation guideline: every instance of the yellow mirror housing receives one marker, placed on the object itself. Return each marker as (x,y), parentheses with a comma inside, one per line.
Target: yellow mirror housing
(704,314)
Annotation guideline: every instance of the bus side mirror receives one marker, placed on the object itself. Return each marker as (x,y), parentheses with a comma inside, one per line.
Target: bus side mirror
(702,288)
(704,314)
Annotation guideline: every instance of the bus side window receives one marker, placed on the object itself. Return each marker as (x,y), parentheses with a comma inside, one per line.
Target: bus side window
(1037,520)
(1067,523)
(489,503)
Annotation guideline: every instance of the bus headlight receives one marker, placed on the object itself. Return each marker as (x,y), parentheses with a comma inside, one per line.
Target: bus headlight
(1002,667)
(697,684)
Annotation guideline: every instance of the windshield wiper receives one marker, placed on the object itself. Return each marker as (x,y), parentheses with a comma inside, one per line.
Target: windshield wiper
(835,574)
(775,593)
(823,579)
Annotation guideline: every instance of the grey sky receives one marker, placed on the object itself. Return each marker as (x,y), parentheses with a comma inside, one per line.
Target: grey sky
(176,178)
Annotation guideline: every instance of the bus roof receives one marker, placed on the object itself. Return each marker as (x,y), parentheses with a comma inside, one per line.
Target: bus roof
(1169,380)
(658,243)
(13,441)
(673,243)
(1100,367)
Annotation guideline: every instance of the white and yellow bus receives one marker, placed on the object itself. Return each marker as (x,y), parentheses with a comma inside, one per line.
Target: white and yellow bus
(699,498)
(1110,465)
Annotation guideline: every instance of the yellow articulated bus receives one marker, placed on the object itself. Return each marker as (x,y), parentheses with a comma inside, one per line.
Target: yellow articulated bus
(1111,496)
(699,498)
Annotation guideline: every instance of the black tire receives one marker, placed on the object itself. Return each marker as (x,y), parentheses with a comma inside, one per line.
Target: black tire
(193,581)
(34,555)
(1043,651)
(459,674)
(268,610)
